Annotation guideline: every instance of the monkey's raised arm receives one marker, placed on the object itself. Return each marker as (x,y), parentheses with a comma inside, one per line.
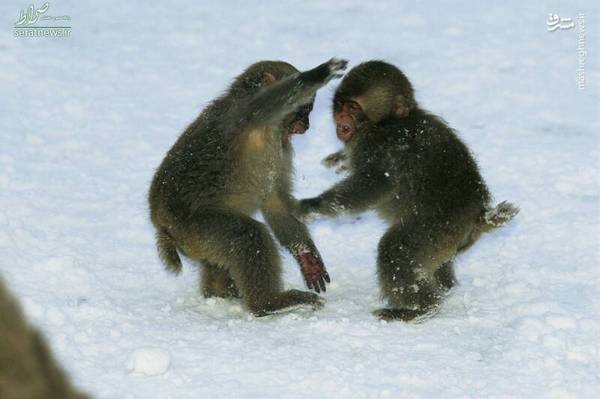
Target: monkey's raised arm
(294,236)
(285,96)
(356,193)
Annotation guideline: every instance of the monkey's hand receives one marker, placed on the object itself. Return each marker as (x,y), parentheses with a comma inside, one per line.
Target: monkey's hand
(336,67)
(322,74)
(343,168)
(312,269)
(336,160)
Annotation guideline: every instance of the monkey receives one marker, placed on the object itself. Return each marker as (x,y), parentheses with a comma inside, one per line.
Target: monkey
(236,159)
(421,179)
(28,370)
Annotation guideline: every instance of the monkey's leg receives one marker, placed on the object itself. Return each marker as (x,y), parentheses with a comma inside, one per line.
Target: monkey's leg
(245,249)
(216,281)
(409,256)
(445,275)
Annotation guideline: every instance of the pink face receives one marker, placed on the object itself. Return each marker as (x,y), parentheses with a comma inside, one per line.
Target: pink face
(298,127)
(301,123)
(346,119)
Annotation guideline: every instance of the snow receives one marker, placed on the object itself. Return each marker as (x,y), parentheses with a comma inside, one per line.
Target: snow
(86,120)
(149,361)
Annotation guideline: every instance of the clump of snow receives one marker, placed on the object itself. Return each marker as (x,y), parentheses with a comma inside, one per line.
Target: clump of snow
(149,361)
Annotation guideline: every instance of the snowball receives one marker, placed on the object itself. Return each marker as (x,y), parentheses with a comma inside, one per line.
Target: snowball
(148,361)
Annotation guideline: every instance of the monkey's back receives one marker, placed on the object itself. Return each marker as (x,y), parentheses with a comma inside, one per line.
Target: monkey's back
(211,165)
(431,169)
(194,171)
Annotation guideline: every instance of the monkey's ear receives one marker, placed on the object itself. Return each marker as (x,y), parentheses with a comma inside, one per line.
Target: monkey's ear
(402,107)
(268,79)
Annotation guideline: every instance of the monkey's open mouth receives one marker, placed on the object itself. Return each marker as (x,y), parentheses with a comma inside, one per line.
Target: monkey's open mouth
(344,131)
(298,127)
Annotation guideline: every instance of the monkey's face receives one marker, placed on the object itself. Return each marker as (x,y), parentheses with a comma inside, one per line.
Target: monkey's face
(298,123)
(348,114)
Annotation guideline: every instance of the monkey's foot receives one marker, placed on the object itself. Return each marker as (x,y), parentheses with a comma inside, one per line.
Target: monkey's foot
(301,309)
(290,301)
(308,299)
(407,315)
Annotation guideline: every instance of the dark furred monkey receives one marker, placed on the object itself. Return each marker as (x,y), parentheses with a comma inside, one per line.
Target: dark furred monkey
(28,369)
(410,167)
(232,161)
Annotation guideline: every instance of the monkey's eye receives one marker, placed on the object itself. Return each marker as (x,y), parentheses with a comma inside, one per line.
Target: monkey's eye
(353,106)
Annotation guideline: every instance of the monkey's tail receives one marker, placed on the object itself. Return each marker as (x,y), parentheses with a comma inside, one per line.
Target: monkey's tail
(167,250)
(491,219)
(496,217)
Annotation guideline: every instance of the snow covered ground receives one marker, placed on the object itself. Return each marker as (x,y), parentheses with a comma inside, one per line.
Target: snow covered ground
(84,122)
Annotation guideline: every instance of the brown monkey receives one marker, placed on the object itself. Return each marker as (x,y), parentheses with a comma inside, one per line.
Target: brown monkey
(232,161)
(412,168)
(27,368)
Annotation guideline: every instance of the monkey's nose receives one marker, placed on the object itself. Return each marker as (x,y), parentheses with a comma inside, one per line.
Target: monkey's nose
(343,128)
(299,127)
